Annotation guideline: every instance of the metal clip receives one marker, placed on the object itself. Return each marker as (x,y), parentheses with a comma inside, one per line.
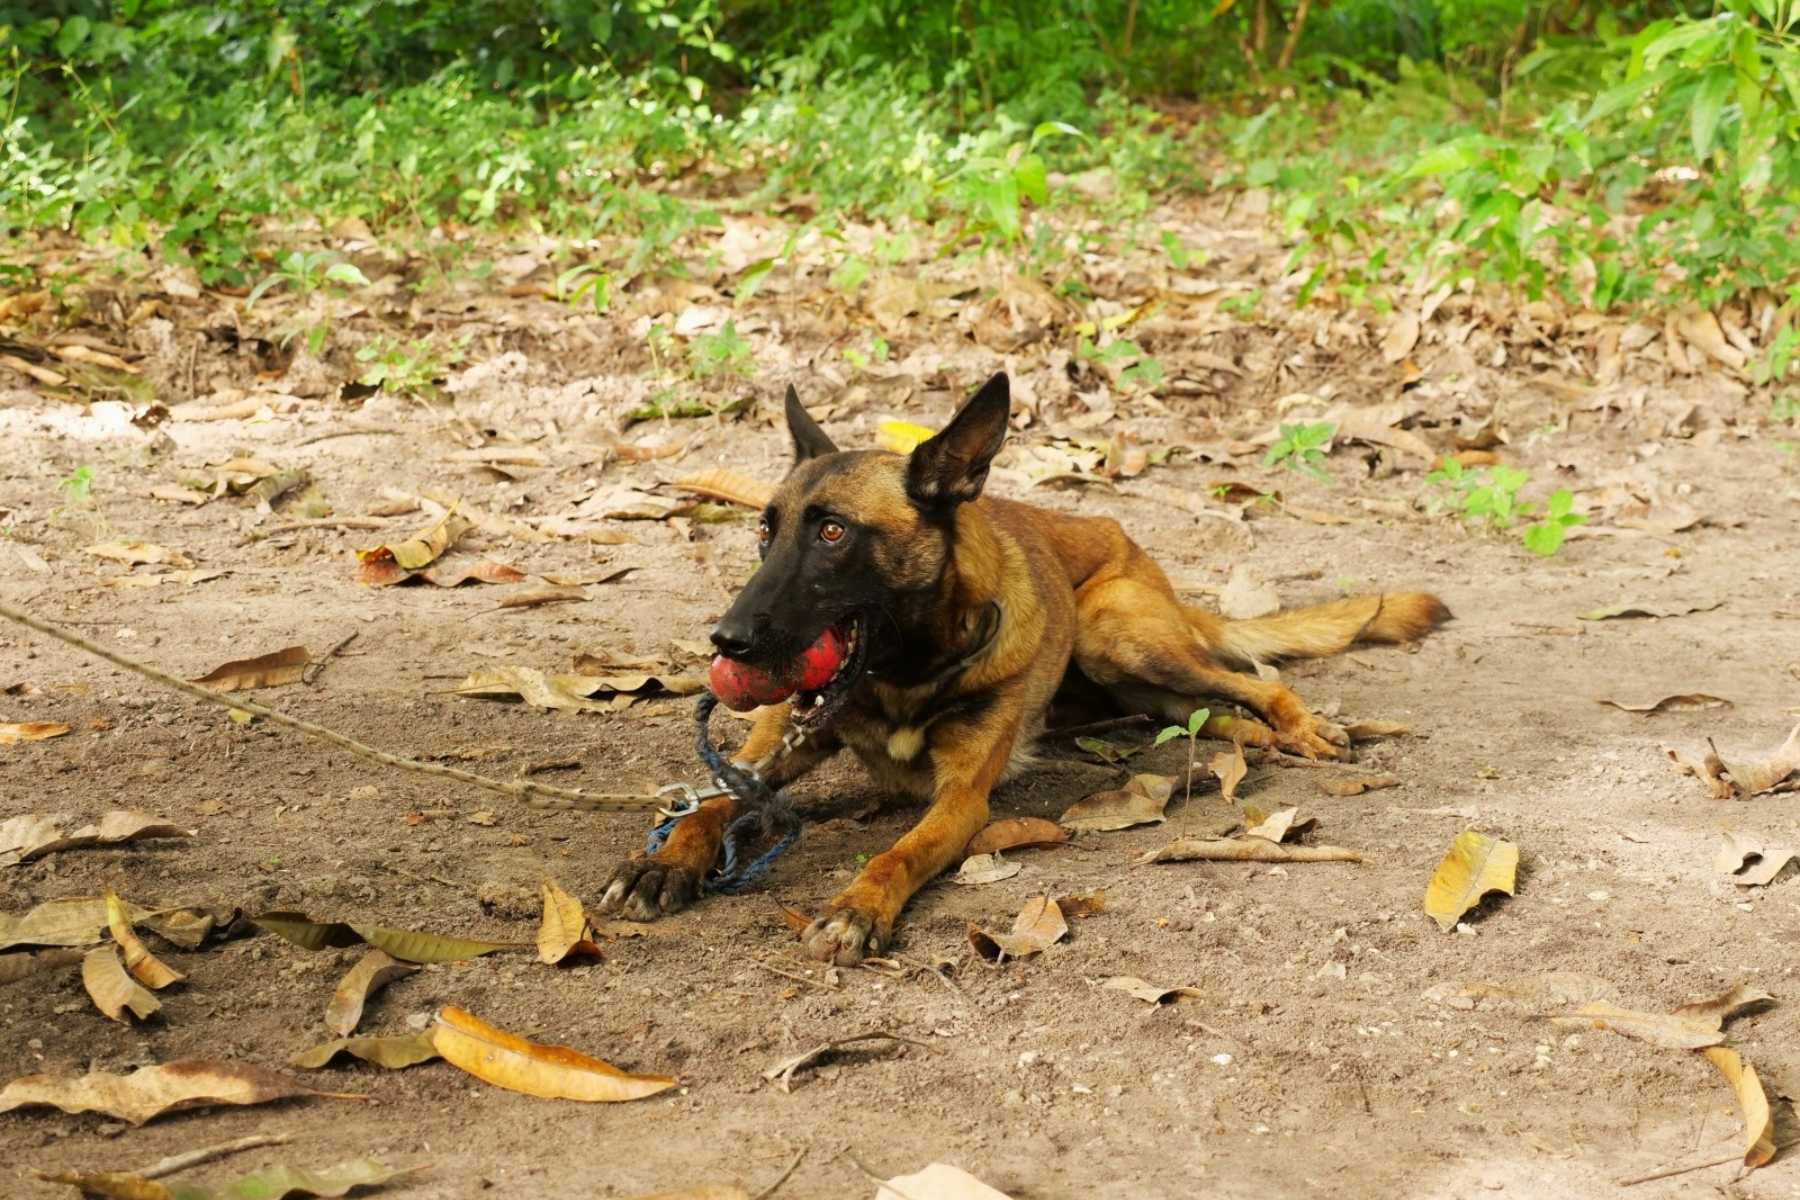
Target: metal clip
(687,798)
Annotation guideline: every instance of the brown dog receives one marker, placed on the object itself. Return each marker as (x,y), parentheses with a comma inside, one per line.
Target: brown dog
(964,618)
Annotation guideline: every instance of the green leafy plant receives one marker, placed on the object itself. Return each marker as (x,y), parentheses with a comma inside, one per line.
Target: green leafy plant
(1137,367)
(306,271)
(408,367)
(1302,448)
(79,485)
(722,353)
(1191,731)
(585,281)
(860,359)
(1490,497)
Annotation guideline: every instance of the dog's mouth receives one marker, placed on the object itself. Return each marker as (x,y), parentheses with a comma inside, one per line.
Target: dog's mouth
(818,680)
(816,705)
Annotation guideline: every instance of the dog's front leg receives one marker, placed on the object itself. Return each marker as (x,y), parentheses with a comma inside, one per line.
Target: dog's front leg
(966,762)
(644,887)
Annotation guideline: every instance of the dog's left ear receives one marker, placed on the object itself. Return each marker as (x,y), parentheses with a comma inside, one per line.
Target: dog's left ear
(809,440)
(951,467)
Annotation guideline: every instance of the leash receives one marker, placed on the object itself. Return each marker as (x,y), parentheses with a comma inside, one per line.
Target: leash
(769,814)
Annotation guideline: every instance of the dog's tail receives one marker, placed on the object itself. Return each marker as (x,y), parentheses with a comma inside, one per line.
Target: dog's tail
(1323,629)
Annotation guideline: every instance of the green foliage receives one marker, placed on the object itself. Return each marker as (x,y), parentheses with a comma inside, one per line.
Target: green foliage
(1302,448)
(1490,497)
(1191,731)
(79,486)
(722,353)
(305,272)
(408,368)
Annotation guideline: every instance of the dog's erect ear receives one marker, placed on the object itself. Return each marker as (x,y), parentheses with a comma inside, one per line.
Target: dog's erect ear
(951,467)
(809,440)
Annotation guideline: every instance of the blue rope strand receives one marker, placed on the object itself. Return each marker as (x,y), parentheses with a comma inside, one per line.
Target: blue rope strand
(770,814)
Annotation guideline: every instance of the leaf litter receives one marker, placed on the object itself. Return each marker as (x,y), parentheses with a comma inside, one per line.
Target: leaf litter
(404,944)
(1152,993)
(143,966)
(978,869)
(150,1092)
(1777,771)
(782,1073)
(1689,1027)
(1753,1102)
(1016,833)
(1245,849)
(550,1072)
(113,991)
(33,835)
(275,669)
(1039,924)
(14,732)
(392,1053)
(372,972)
(1475,865)
(1140,802)
(563,929)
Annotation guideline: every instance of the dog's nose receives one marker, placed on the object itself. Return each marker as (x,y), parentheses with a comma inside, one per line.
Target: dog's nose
(733,637)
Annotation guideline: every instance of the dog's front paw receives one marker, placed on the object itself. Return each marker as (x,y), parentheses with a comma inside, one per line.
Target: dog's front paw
(1314,737)
(642,889)
(843,937)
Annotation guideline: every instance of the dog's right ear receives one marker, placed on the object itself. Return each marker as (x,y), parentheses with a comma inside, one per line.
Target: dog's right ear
(950,467)
(809,440)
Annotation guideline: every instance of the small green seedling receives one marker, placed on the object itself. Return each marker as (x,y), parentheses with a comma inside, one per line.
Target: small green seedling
(722,353)
(305,272)
(1302,448)
(79,486)
(408,367)
(585,281)
(1545,537)
(860,359)
(1191,731)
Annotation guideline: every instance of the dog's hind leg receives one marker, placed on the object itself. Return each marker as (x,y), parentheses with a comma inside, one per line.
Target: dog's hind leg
(644,887)
(1135,641)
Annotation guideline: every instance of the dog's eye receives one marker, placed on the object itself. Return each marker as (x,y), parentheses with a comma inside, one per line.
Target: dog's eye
(831,532)
(762,532)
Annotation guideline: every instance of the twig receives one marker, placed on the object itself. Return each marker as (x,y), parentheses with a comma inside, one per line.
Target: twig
(416,878)
(381,431)
(783,1177)
(782,1073)
(1293,36)
(787,974)
(1093,727)
(315,523)
(193,1158)
(1671,1172)
(311,672)
(540,795)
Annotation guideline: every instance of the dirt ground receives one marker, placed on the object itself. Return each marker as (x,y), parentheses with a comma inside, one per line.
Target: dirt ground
(1317,1058)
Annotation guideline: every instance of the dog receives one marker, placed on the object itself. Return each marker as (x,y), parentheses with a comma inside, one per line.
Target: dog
(963,618)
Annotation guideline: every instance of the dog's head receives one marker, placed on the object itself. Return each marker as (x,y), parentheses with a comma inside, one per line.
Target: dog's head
(854,540)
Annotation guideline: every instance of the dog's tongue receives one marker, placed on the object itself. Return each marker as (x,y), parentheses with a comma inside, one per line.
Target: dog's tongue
(742,687)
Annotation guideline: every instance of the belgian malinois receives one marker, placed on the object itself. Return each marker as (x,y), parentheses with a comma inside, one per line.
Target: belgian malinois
(960,618)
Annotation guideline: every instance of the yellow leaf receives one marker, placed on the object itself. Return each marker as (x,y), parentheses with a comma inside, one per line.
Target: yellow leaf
(422,549)
(1759,1123)
(564,925)
(111,989)
(30,731)
(900,437)
(1230,767)
(552,1072)
(144,966)
(733,487)
(1476,865)
(373,971)
(1040,923)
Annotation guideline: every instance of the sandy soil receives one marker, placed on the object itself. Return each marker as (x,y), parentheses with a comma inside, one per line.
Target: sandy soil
(1317,1059)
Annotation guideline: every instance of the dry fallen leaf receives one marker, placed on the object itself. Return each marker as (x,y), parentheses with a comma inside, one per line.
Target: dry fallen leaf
(1040,923)
(373,971)
(1772,863)
(1476,865)
(1735,850)
(1140,802)
(11,734)
(704,1191)
(416,552)
(265,670)
(150,1092)
(563,929)
(390,1052)
(78,922)
(1759,1122)
(1752,777)
(733,487)
(1083,905)
(782,1073)
(1245,849)
(1015,833)
(271,1183)
(1709,771)
(111,989)
(24,964)
(404,944)
(34,835)
(1278,825)
(1150,992)
(1359,731)
(1356,785)
(1230,767)
(1686,702)
(136,552)
(1690,1027)
(144,966)
(985,868)
(939,1181)
(552,1072)
(1626,611)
